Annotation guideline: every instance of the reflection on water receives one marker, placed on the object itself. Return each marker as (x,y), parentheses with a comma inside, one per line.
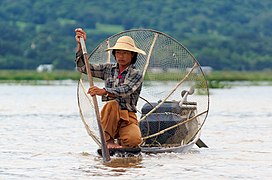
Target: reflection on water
(127,162)
(42,137)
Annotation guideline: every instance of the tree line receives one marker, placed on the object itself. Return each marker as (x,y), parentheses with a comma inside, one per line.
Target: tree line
(226,35)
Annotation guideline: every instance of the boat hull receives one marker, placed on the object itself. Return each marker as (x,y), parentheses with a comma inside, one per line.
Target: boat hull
(177,149)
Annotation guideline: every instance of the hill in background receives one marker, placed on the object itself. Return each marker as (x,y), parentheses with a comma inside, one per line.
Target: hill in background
(233,34)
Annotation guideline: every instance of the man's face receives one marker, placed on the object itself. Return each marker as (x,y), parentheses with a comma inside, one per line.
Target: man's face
(123,57)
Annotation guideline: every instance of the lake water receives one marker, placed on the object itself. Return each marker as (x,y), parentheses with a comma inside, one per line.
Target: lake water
(42,137)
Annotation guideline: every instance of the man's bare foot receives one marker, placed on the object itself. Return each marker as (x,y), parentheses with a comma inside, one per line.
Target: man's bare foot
(113,145)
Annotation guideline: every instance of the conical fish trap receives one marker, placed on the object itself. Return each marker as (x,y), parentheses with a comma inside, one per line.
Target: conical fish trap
(174,101)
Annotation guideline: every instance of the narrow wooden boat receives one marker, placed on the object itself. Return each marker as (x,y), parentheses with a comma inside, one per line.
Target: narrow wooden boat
(171,128)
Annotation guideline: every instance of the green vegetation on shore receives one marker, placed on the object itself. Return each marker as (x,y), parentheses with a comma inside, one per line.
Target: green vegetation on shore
(31,75)
(240,76)
(215,79)
(218,79)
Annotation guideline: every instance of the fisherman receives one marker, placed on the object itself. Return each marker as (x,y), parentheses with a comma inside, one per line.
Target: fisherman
(123,83)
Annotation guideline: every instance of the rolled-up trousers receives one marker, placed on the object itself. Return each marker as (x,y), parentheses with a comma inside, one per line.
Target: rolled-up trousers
(120,124)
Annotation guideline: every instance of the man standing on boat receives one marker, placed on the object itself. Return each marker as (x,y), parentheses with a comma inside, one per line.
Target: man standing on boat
(123,83)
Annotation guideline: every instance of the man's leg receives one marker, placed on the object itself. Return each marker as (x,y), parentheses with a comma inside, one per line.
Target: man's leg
(129,132)
(110,121)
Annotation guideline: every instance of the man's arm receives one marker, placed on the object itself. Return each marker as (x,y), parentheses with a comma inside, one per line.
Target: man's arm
(80,64)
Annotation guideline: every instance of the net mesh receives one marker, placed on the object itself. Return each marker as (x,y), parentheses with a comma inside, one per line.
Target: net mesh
(174,99)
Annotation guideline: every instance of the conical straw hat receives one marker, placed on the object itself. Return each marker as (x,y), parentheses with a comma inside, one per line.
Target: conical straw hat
(126,43)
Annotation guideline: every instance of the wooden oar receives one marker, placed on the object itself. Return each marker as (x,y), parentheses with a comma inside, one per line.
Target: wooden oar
(105,151)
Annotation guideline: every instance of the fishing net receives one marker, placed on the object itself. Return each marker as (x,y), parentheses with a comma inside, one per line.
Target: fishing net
(174,100)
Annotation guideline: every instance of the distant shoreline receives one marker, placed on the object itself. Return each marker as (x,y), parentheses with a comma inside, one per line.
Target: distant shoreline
(216,79)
